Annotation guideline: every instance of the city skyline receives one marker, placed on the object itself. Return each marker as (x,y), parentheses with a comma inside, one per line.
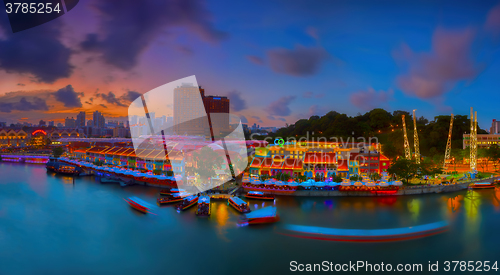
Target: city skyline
(437,57)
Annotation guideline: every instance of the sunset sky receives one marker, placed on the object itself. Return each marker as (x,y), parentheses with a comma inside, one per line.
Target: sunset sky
(277,60)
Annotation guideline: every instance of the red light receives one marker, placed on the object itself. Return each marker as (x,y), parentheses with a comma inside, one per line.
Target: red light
(39,131)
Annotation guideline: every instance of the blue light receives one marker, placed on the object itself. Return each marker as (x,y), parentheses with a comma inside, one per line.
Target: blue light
(217,98)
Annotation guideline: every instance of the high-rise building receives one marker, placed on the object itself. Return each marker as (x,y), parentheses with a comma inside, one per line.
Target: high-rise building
(69,123)
(197,114)
(217,108)
(80,120)
(59,125)
(42,123)
(98,120)
(90,123)
(495,127)
(51,123)
(189,113)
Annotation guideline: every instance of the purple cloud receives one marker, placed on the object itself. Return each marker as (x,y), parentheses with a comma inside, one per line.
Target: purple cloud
(313,32)
(307,94)
(237,102)
(255,59)
(130,26)
(257,118)
(68,97)
(111,99)
(371,99)
(300,61)
(493,20)
(316,110)
(37,51)
(37,104)
(280,106)
(431,74)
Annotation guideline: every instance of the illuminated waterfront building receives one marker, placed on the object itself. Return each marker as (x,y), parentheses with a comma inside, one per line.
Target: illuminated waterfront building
(483,140)
(319,160)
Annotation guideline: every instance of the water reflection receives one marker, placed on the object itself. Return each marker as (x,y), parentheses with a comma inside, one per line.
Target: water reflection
(414,208)
(222,217)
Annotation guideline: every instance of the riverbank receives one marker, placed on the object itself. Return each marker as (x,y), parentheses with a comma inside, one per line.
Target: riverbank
(414,190)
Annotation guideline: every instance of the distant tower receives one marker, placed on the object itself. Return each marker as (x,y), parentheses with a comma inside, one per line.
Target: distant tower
(407,144)
(415,138)
(473,140)
(447,154)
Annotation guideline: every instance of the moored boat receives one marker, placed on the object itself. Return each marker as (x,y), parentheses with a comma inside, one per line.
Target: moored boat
(239,204)
(166,192)
(482,185)
(203,206)
(187,202)
(264,215)
(259,195)
(170,198)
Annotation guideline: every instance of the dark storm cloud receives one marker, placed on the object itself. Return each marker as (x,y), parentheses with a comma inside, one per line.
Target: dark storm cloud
(280,106)
(68,97)
(111,99)
(129,26)
(36,104)
(130,96)
(35,51)
(102,105)
(300,61)
(121,101)
(237,102)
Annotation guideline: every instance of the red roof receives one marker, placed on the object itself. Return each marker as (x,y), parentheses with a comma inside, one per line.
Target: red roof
(256,162)
(267,163)
(320,158)
(277,162)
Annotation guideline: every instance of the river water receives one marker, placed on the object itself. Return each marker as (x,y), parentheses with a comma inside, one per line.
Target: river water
(50,225)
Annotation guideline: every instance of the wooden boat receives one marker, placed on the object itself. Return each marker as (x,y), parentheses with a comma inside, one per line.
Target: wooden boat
(482,185)
(204,208)
(263,215)
(170,198)
(187,202)
(259,195)
(239,204)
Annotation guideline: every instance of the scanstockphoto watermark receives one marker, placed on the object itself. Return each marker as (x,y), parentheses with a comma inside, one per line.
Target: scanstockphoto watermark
(350,142)
(365,266)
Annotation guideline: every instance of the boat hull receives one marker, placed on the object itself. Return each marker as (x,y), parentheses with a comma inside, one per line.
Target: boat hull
(259,198)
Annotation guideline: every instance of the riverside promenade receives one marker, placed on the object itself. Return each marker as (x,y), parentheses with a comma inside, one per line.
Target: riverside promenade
(406,190)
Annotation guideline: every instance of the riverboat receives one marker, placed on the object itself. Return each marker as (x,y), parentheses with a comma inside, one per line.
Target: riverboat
(187,202)
(54,165)
(264,215)
(170,198)
(367,235)
(204,209)
(239,204)
(137,206)
(259,195)
(482,185)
